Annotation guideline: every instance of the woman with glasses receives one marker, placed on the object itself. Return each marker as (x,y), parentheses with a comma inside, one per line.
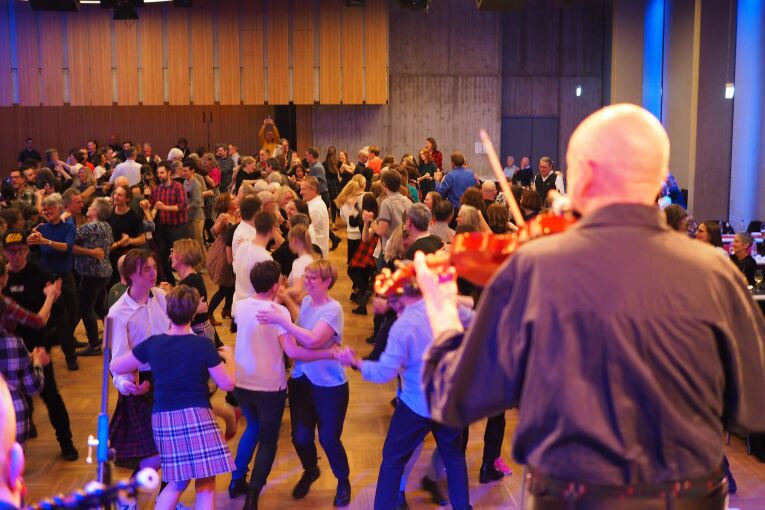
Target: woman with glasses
(317,390)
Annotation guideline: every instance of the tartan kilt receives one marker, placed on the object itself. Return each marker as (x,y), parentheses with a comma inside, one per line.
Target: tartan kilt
(190,444)
(130,431)
(206,329)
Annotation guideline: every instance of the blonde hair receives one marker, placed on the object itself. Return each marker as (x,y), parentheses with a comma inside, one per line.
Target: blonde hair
(300,234)
(188,251)
(394,248)
(324,269)
(285,191)
(349,192)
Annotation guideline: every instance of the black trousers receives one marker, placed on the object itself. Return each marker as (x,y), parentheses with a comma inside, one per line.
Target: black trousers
(222,293)
(57,413)
(92,295)
(263,411)
(321,407)
(353,245)
(360,276)
(165,237)
(66,315)
(493,437)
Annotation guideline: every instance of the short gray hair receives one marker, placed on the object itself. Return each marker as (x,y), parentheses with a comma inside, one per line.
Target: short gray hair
(745,237)
(175,166)
(175,154)
(103,209)
(419,215)
(54,199)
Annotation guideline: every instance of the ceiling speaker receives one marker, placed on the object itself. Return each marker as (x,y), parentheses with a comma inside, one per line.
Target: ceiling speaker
(55,5)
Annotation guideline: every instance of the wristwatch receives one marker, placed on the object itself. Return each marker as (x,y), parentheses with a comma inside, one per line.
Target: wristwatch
(50,243)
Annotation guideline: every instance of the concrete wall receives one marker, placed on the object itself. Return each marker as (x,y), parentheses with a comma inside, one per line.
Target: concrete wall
(455,70)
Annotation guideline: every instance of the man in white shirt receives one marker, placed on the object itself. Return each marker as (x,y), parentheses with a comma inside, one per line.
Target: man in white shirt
(510,167)
(245,232)
(129,168)
(249,253)
(261,380)
(140,313)
(317,210)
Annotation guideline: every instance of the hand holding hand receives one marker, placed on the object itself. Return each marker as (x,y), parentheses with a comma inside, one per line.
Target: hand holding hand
(142,388)
(367,216)
(165,286)
(159,205)
(36,238)
(202,307)
(144,204)
(40,356)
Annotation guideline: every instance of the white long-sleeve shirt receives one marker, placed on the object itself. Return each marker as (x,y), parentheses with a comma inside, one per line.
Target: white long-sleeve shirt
(133,323)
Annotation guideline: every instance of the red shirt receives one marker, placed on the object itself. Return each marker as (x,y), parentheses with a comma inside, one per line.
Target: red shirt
(172,194)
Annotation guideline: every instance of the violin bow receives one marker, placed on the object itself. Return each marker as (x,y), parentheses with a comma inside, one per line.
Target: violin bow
(496,166)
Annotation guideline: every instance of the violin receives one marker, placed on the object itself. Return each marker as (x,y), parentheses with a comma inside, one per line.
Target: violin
(476,256)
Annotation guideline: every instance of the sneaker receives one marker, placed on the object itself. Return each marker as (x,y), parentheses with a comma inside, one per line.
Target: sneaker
(335,242)
(489,474)
(304,484)
(432,488)
(69,452)
(72,364)
(501,465)
(360,310)
(91,350)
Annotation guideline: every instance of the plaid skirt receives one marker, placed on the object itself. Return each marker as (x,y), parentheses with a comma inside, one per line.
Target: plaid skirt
(130,431)
(190,444)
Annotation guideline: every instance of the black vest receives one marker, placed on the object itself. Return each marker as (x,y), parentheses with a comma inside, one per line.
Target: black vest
(543,187)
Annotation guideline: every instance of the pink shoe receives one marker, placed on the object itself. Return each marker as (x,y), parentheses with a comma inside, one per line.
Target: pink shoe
(501,466)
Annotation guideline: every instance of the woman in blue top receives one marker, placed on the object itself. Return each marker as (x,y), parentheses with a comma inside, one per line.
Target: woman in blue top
(317,390)
(186,434)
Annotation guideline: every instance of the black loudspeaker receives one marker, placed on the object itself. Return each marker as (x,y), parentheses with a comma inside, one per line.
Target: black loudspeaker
(55,5)
(285,120)
(182,3)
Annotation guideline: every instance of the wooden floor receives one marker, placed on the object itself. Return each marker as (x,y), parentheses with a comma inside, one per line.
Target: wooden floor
(365,428)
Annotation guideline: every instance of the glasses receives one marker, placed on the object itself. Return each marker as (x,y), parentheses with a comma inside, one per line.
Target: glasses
(311,277)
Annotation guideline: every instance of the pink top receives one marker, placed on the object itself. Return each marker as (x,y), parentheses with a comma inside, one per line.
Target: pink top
(215,175)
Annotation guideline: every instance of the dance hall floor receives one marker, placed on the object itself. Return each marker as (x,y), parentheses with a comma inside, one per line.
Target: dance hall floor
(365,428)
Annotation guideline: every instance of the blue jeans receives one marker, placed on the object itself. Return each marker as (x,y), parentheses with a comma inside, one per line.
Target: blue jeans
(263,411)
(324,408)
(406,432)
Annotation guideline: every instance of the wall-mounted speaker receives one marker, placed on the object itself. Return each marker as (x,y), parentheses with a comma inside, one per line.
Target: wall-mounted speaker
(55,5)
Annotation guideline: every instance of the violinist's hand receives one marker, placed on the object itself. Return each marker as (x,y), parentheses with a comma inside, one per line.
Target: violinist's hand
(439,290)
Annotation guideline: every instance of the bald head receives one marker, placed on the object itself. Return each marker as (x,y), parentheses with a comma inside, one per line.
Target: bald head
(619,154)
(489,190)
(121,181)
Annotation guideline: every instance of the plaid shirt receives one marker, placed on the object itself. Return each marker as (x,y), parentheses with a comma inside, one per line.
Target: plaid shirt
(22,377)
(174,194)
(364,254)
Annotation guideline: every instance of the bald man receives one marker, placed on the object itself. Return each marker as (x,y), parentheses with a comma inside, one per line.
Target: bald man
(627,363)
(11,454)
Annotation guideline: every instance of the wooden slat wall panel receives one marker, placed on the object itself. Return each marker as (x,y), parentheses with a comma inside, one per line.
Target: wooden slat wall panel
(353,55)
(126,42)
(330,17)
(376,40)
(203,82)
(99,32)
(151,56)
(52,58)
(302,52)
(178,56)
(229,50)
(26,53)
(278,52)
(70,126)
(78,44)
(252,52)
(6,87)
